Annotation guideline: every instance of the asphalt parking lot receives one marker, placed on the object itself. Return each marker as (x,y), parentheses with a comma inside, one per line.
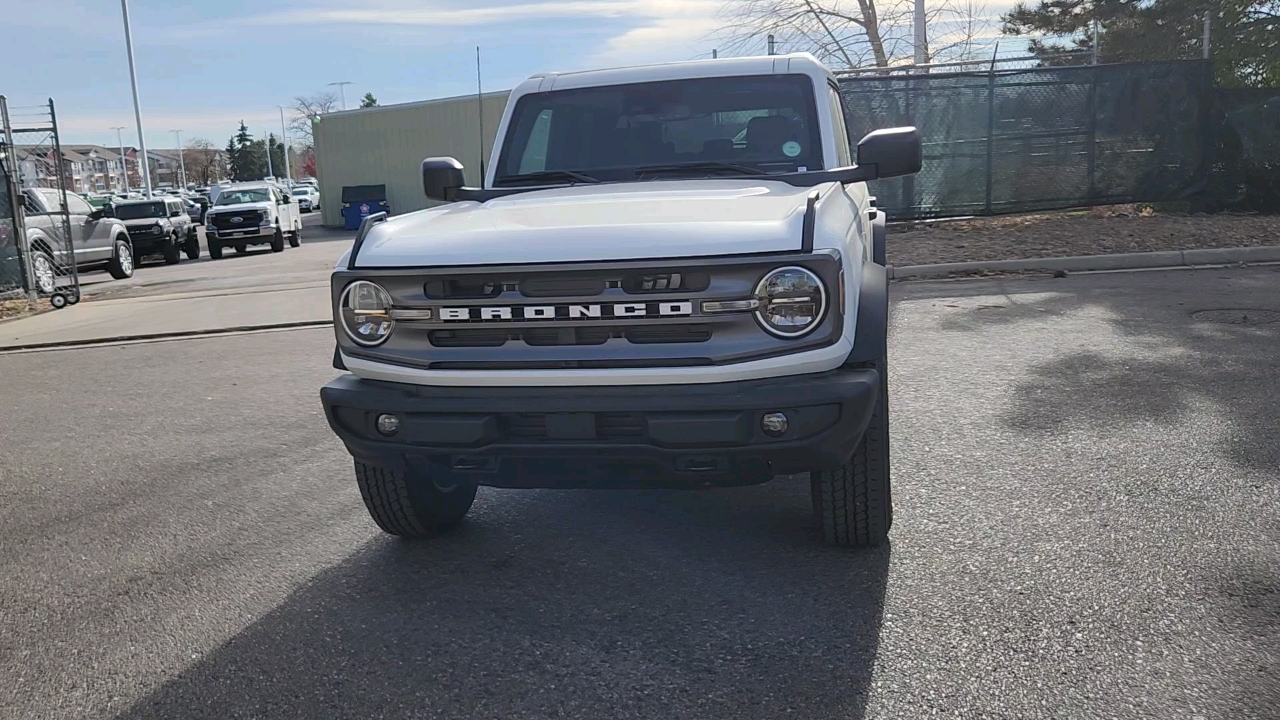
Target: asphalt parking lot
(1087,524)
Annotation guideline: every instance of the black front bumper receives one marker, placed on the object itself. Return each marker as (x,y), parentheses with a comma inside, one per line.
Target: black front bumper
(148,244)
(606,436)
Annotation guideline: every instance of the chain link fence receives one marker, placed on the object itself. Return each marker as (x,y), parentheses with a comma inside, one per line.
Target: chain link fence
(1015,139)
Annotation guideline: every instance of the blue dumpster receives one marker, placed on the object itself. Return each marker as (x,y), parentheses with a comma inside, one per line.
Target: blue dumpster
(361,201)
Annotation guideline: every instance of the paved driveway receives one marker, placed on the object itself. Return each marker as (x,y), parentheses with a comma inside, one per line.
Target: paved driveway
(1087,505)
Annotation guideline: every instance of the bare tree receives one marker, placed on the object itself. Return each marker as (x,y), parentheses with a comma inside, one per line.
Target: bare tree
(853,33)
(306,108)
(205,162)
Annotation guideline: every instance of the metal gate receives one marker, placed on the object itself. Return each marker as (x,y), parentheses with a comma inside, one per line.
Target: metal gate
(37,248)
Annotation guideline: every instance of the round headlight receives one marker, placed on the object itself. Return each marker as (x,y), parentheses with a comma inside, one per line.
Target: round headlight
(792,301)
(366,313)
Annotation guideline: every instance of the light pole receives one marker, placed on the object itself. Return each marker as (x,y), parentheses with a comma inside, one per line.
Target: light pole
(266,142)
(124,159)
(921,39)
(342,91)
(182,161)
(284,133)
(145,165)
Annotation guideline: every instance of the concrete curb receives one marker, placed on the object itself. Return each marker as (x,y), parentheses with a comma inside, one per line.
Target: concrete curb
(211,332)
(1083,263)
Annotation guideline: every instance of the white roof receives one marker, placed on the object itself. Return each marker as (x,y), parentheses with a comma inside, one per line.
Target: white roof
(798,63)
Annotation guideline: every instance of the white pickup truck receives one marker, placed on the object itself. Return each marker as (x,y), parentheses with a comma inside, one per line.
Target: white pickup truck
(673,276)
(247,214)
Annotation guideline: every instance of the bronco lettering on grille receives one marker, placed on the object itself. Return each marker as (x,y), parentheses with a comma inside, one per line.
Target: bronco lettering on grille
(613,311)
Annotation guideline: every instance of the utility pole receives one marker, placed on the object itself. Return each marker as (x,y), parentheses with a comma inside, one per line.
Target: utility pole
(145,165)
(342,91)
(921,38)
(124,159)
(267,142)
(771,44)
(182,160)
(284,132)
(1093,56)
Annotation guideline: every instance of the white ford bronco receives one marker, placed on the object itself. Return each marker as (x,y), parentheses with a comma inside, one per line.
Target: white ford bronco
(672,276)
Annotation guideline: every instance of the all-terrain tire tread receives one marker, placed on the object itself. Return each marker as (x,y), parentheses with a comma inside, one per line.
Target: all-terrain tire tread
(852,502)
(386,495)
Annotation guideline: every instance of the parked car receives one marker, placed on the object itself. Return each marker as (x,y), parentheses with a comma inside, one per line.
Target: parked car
(308,198)
(97,240)
(160,225)
(252,214)
(197,206)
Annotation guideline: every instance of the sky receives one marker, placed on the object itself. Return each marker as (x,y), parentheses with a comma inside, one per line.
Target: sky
(205,66)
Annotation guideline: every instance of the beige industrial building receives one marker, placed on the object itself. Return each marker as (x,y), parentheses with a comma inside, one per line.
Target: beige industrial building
(386,146)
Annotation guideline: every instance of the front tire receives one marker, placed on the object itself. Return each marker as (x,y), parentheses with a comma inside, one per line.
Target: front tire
(172,251)
(411,505)
(277,241)
(215,249)
(295,238)
(45,272)
(192,246)
(121,264)
(853,503)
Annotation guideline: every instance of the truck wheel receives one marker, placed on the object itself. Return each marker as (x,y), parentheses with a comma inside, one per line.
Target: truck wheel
(411,506)
(295,238)
(46,275)
(192,246)
(853,503)
(121,264)
(277,241)
(172,251)
(215,248)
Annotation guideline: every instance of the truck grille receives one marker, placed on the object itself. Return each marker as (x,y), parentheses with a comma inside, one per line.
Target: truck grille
(227,220)
(643,314)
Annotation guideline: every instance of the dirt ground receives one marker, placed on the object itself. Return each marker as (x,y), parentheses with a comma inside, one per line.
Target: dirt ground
(11,309)
(1100,231)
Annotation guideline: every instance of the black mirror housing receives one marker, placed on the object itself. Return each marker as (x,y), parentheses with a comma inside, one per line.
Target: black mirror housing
(891,152)
(441,178)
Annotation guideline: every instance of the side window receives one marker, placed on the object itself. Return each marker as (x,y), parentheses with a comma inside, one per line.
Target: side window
(534,158)
(77,206)
(842,133)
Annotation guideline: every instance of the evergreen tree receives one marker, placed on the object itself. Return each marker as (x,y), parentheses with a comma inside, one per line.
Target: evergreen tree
(369,101)
(247,156)
(1244,34)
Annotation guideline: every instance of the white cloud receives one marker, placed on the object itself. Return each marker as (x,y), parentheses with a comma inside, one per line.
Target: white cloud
(669,30)
(434,14)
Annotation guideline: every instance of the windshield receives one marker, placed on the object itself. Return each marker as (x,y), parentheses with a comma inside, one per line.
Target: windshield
(236,197)
(137,211)
(765,123)
(302,191)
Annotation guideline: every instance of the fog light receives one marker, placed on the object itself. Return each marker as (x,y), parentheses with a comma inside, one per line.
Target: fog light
(774,423)
(389,424)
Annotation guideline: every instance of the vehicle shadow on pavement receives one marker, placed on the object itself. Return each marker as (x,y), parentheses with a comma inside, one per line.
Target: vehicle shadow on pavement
(592,604)
(1165,396)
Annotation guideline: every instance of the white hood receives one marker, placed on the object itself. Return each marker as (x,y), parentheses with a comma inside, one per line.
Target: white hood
(660,219)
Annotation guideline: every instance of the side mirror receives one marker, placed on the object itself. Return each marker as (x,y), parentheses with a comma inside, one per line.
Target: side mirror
(892,152)
(99,214)
(441,178)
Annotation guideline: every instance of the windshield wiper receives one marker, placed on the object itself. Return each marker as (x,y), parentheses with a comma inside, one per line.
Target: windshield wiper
(547,176)
(703,166)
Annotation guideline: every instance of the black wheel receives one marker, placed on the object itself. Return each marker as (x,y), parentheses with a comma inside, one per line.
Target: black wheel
(412,506)
(277,241)
(73,296)
(58,301)
(45,271)
(241,248)
(120,267)
(192,246)
(215,249)
(853,503)
(295,238)
(172,251)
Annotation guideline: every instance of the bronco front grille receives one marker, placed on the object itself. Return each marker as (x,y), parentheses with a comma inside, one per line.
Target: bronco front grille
(644,314)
